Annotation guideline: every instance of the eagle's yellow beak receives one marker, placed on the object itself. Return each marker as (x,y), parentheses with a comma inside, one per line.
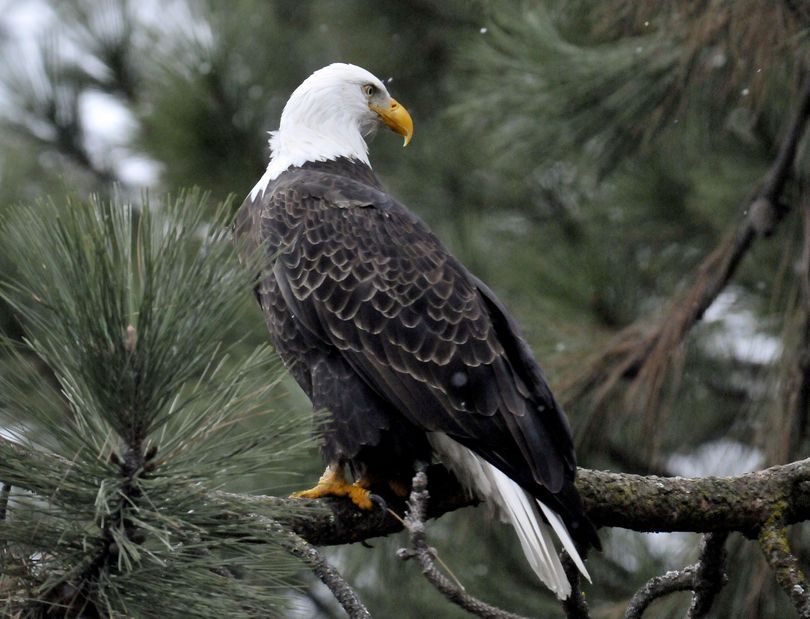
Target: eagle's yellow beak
(397,118)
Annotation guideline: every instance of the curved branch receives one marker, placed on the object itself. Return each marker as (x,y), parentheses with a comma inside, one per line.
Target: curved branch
(328,575)
(659,586)
(774,544)
(703,578)
(425,555)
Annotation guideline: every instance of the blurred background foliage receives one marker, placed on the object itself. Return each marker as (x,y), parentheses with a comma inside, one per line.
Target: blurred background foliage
(580,157)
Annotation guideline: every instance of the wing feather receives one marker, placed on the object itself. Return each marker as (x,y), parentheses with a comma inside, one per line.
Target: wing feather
(369,278)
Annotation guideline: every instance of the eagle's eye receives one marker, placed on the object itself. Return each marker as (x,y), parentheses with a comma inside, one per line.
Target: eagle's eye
(369,90)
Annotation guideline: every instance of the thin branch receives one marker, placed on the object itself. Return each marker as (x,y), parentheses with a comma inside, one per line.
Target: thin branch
(710,575)
(659,586)
(425,555)
(575,606)
(774,544)
(328,575)
(704,579)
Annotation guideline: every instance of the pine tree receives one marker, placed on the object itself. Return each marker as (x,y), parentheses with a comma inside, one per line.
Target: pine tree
(140,403)
(592,162)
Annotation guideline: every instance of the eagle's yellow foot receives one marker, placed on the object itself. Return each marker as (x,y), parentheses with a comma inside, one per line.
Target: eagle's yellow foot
(333,483)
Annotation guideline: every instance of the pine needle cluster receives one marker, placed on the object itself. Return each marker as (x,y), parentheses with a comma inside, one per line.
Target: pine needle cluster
(125,412)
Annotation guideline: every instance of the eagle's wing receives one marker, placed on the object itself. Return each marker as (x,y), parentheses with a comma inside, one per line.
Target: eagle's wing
(366,276)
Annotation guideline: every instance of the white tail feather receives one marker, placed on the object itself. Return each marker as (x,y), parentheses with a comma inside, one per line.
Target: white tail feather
(517,507)
(562,533)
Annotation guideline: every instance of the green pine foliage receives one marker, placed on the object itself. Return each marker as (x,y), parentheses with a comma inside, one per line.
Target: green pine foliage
(130,395)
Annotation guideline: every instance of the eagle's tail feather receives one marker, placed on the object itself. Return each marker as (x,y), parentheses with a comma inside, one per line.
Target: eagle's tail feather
(559,528)
(517,507)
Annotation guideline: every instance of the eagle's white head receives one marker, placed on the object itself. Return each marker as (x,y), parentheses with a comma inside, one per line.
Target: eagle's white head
(329,115)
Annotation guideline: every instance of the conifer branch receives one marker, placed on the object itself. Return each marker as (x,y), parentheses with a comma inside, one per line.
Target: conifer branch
(643,353)
(747,503)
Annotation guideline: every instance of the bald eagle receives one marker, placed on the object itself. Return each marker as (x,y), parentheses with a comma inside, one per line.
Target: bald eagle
(410,354)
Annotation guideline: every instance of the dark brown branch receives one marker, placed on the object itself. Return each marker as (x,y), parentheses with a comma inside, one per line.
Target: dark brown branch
(774,544)
(425,555)
(657,587)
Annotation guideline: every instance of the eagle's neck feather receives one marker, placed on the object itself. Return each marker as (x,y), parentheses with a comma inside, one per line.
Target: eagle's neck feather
(295,144)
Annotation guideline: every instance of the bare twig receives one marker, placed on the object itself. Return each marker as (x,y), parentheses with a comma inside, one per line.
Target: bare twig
(774,544)
(710,574)
(575,606)
(704,579)
(328,575)
(659,586)
(425,555)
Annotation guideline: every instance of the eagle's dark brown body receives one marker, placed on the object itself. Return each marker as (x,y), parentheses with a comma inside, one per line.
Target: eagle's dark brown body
(392,336)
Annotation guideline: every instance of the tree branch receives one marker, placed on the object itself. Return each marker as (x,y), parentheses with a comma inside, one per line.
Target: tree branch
(575,606)
(700,504)
(642,352)
(642,503)
(710,575)
(774,544)
(659,586)
(704,579)
(425,555)
(328,575)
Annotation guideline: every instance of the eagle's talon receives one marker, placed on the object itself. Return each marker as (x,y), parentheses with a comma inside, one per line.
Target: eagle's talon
(380,502)
(333,483)
(360,496)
